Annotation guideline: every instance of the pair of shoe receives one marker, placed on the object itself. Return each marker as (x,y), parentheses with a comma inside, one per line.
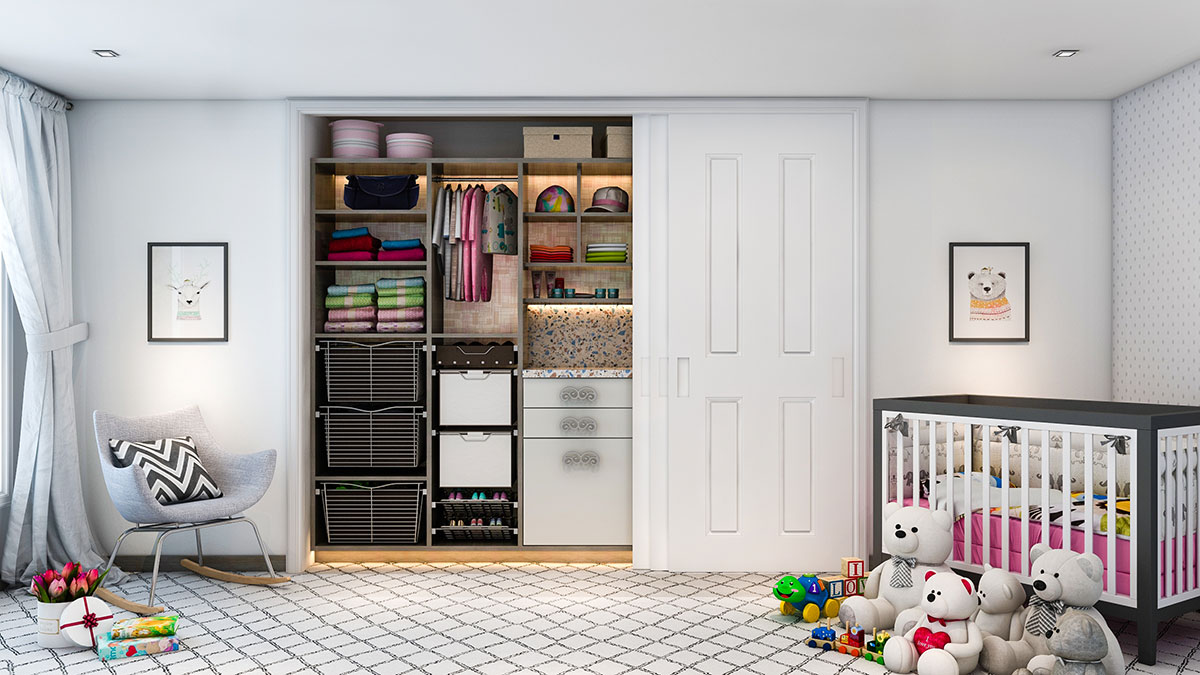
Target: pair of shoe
(495,522)
(455,523)
(454,495)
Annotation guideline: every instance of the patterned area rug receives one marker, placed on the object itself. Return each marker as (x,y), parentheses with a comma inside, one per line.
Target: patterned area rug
(494,619)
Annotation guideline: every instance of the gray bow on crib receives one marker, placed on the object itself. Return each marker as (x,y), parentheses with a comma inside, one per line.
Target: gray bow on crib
(1118,442)
(897,423)
(1007,432)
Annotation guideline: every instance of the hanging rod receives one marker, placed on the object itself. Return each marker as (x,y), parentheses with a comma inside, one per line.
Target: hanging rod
(467,179)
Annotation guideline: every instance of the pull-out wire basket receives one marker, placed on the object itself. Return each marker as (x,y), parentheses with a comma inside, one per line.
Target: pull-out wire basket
(384,438)
(378,372)
(388,513)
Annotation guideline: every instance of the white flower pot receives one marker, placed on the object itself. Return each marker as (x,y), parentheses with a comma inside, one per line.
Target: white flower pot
(49,614)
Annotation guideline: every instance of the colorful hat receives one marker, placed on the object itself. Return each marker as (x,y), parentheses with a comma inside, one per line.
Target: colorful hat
(555,199)
(611,199)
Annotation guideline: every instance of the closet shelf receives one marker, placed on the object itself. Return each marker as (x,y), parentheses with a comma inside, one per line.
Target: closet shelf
(364,336)
(578,301)
(542,217)
(370,215)
(370,265)
(475,336)
(577,265)
(373,477)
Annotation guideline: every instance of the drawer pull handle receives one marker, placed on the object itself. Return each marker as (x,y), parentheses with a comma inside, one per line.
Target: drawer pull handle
(581,460)
(578,425)
(577,395)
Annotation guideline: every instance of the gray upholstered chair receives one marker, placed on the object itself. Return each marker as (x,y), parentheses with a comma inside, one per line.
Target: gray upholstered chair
(243,479)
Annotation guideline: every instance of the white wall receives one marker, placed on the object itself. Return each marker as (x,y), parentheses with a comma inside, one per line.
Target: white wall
(943,171)
(1156,241)
(182,171)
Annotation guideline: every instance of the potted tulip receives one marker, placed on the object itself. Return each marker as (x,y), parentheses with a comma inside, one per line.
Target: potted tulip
(54,590)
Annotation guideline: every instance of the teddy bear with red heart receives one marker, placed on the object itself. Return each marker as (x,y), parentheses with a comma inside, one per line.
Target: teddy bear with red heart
(945,641)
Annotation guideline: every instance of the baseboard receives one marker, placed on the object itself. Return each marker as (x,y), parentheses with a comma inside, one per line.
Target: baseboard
(229,563)
(433,555)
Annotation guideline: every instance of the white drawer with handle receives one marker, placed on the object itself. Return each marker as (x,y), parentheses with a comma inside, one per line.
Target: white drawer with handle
(475,459)
(571,423)
(475,398)
(579,393)
(578,492)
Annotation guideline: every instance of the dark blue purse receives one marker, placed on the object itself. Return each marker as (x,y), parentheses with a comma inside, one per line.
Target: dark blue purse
(381,192)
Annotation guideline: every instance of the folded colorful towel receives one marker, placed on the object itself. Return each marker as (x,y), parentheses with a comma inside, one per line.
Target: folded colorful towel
(399,283)
(403,314)
(400,244)
(409,254)
(407,290)
(605,257)
(353,314)
(353,232)
(359,289)
(349,326)
(339,301)
(400,326)
(363,243)
(397,301)
(352,256)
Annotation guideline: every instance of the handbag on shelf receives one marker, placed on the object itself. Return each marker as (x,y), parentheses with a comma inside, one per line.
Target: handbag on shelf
(381,192)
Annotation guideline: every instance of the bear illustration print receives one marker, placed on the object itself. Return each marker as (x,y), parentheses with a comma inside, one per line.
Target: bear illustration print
(987,288)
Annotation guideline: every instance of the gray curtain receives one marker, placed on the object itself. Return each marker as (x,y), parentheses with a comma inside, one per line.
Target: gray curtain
(47,524)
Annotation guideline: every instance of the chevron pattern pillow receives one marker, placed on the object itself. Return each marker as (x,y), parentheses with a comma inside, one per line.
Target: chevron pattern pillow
(172,467)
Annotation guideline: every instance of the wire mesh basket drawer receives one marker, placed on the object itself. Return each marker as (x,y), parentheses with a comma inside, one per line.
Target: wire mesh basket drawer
(384,372)
(387,513)
(388,437)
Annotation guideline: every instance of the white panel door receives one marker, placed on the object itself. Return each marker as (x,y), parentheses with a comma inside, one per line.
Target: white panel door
(761,260)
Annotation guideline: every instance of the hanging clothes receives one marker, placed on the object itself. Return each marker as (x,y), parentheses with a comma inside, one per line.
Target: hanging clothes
(500,221)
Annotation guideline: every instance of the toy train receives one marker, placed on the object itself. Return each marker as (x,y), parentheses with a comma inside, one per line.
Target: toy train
(853,642)
(873,650)
(823,637)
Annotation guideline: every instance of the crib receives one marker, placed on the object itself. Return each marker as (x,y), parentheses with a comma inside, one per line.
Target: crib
(1116,479)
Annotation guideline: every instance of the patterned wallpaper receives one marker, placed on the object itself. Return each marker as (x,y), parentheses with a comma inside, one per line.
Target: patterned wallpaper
(1156,241)
(579,336)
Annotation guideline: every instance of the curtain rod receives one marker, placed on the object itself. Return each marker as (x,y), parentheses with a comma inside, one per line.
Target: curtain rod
(32,90)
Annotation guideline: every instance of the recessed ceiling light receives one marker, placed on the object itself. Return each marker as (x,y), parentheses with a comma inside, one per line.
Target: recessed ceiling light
(1066,53)
(105,53)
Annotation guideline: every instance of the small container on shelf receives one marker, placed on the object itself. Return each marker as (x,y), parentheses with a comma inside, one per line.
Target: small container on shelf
(409,145)
(618,142)
(556,293)
(558,142)
(355,138)
(601,293)
(570,292)
(614,293)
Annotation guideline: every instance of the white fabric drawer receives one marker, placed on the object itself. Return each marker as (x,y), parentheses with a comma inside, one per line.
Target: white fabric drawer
(579,393)
(475,398)
(475,459)
(578,492)
(569,423)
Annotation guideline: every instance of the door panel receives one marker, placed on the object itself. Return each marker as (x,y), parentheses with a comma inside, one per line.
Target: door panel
(761,233)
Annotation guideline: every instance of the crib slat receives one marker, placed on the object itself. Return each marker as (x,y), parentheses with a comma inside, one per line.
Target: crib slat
(1087,493)
(968,517)
(1110,537)
(899,467)
(985,557)
(1177,518)
(1046,486)
(950,471)
(916,462)
(933,504)
(1164,465)
(1133,517)
(1024,502)
(1194,514)
(1004,505)
(1066,491)
(884,460)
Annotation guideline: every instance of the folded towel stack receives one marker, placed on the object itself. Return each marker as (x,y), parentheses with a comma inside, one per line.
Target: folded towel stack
(607,253)
(353,244)
(351,308)
(551,253)
(402,250)
(401,305)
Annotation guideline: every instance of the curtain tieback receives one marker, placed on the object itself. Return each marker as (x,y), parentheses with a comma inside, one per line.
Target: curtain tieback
(56,339)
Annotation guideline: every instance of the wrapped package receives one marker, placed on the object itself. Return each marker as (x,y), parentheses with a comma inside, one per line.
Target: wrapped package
(144,626)
(109,649)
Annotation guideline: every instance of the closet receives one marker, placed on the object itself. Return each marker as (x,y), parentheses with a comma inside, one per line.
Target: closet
(486,426)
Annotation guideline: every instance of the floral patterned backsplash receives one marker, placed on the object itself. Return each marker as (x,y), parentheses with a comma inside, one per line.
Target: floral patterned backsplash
(579,336)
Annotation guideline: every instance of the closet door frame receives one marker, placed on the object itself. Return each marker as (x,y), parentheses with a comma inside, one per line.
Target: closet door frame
(653,367)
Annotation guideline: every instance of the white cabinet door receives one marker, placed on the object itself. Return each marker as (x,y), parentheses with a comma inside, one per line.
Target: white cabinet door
(761,259)
(578,492)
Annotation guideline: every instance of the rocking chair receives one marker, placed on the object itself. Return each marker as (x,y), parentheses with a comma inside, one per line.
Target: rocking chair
(243,479)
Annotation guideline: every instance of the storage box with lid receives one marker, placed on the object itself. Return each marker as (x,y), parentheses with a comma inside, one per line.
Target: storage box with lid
(558,142)
(618,142)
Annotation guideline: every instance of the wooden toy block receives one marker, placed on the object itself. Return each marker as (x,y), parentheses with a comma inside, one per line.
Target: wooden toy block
(862,586)
(853,567)
(836,583)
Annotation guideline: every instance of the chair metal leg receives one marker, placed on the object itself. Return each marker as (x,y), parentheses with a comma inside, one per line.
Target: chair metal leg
(199,548)
(262,547)
(116,547)
(157,556)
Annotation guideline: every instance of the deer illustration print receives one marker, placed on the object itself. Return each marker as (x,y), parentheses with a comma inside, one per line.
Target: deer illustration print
(187,292)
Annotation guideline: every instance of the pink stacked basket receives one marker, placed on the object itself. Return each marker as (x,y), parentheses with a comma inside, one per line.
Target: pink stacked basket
(355,138)
(409,145)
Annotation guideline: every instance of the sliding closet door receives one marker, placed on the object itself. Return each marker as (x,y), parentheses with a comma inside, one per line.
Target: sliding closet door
(761,213)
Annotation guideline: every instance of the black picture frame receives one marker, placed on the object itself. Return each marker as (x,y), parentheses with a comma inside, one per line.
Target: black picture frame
(951,290)
(150,288)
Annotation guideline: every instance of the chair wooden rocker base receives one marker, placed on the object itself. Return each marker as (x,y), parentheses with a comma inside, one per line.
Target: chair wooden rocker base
(198,566)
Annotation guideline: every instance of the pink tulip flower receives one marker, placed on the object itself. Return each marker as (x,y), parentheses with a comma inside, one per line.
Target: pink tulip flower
(70,569)
(92,577)
(57,588)
(49,575)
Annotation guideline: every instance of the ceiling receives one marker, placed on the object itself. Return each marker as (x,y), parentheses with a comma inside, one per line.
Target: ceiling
(937,49)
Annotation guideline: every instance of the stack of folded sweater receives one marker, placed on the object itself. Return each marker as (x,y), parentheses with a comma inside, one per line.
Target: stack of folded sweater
(607,253)
(353,244)
(401,305)
(351,309)
(551,254)
(402,249)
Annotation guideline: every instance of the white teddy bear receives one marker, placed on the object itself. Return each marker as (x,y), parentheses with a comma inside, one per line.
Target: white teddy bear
(944,641)
(1062,580)
(1001,598)
(919,541)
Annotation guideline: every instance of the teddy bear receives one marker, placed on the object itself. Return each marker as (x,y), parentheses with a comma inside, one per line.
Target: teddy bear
(919,541)
(1001,598)
(1079,646)
(944,641)
(987,295)
(1061,580)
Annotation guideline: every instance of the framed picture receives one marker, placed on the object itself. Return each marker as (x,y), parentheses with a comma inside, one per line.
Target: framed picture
(187,292)
(989,292)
